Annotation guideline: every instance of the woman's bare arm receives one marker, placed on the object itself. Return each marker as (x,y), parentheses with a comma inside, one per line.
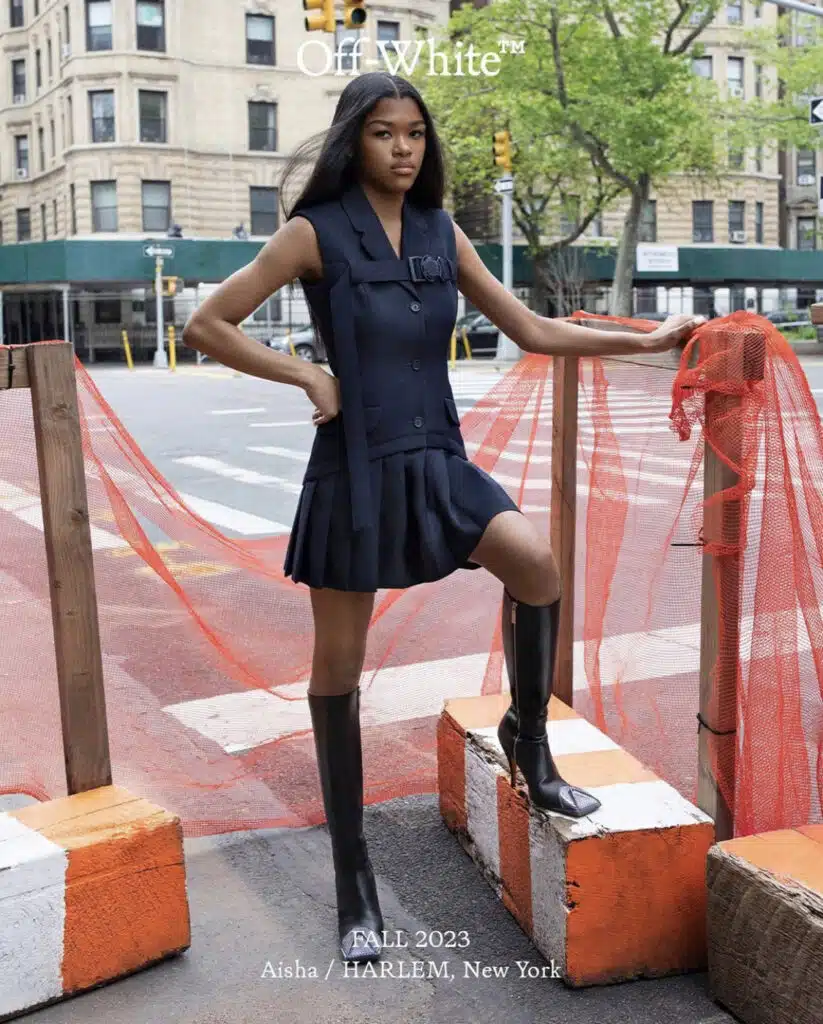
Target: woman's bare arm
(212,328)
(546,335)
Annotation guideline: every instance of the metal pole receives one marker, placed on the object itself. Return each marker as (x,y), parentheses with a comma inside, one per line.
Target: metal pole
(2,324)
(506,348)
(160,359)
(66,327)
(798,5)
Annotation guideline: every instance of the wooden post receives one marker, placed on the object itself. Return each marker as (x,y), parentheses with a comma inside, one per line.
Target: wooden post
(720,598)
(563,512)
(70,565)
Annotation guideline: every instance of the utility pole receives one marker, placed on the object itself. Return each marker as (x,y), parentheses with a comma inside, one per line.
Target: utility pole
(160,358)
(504,187)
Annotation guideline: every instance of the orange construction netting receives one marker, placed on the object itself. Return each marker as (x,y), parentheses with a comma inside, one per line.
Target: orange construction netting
(207,648)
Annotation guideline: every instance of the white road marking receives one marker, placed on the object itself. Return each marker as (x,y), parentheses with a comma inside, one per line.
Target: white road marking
(286,453)
(286,423)
(27,508)
(243,476)
(233,518)
(235,412)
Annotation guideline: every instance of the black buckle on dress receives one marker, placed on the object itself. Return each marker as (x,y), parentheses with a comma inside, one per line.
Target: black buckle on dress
(429,268)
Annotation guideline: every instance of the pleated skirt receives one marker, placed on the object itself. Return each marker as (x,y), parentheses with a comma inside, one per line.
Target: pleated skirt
(431,507)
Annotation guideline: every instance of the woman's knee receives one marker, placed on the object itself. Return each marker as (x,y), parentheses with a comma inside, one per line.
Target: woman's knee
(539,582)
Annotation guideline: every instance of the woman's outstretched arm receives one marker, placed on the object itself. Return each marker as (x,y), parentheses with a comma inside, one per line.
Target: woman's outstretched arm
(548,335)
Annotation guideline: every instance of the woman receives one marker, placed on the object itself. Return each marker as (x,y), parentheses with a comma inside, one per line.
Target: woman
(389,498)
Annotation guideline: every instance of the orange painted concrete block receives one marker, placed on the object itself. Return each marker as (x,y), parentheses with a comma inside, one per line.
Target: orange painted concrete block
(765,926)
(619,894)
(92,887)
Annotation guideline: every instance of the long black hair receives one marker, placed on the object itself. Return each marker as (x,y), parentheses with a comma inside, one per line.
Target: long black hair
(336,166)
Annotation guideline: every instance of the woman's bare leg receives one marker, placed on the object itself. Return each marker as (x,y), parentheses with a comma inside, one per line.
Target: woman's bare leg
(341,623)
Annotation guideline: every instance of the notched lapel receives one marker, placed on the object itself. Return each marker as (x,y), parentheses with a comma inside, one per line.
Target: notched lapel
(373,238)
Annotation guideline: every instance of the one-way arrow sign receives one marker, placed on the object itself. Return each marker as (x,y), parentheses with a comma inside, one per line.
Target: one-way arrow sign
(816,110)
(164,251)
(504,185)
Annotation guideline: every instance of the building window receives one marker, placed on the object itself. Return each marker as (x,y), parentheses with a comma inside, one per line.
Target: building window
(259,39)
(758,223)
(70,120)
(737,217)
(98,25)
(38,70)
(73,205)
(758,81)
(263,126)
(758,157)
(737,157)
(263,203)
(151,26)
(647,229)
(16,14)
(53,140)
(702,66)
(734,76)
(806,167)
(758,10)
(734,12)
(388,34)
(153,116)
(344,40)
(702,220)
(54,215)
(50,53)
(806,232)
(44,228)
(156,205)
(67,24)
(21,155)
(103,205)
(101,105)
(24,224)
(18,80)
(107,311)
(41,148)
(37,8)
(569,215)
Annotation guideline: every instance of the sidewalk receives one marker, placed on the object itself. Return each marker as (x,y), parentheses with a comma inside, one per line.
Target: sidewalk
(262,906)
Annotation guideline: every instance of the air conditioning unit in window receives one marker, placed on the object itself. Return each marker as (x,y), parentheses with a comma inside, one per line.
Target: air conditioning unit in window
(736,90)
(805,179)
(65,53)
(22,172)
(20,97)
(737,236)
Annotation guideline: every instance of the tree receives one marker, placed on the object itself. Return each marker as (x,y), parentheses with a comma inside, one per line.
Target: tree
(602,102)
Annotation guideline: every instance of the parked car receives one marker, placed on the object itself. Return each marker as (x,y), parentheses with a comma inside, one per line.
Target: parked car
(482,335)
(307,345)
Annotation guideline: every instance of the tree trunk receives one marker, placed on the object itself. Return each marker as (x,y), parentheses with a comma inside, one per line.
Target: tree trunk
(620,302)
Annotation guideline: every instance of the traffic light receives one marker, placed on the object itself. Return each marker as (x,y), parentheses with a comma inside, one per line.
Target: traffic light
(354,13)
(169,286)
(319,22)
(502,150)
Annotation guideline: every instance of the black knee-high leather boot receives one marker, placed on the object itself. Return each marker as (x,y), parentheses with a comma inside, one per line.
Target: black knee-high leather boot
(336,721)
(529,646)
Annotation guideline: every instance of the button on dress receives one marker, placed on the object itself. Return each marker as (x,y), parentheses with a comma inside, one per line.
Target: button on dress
(389,497)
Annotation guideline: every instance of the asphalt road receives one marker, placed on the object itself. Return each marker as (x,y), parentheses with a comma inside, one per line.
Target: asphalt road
(263,902)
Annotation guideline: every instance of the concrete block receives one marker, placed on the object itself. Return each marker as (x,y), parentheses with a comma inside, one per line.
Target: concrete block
(617,895)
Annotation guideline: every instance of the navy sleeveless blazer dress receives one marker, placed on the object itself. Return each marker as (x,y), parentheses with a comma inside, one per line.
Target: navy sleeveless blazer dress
(389,497)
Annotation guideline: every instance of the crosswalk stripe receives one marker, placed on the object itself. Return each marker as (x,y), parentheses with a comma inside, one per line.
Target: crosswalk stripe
(235,412)
(233,518)
(285,423)
(27,508)
(286,453)
(243,476)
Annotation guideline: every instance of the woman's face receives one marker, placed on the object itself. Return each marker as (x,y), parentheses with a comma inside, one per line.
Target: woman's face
(392,144)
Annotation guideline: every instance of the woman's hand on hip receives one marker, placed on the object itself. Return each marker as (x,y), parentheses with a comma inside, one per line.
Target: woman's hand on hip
(324,393)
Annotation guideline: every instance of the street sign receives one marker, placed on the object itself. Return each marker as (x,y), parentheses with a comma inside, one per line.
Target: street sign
(816,110)
(504,185)
(163,251)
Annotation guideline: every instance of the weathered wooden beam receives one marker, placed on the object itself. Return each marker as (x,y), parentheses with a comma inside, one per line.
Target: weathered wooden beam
(70,565)
(14,371)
